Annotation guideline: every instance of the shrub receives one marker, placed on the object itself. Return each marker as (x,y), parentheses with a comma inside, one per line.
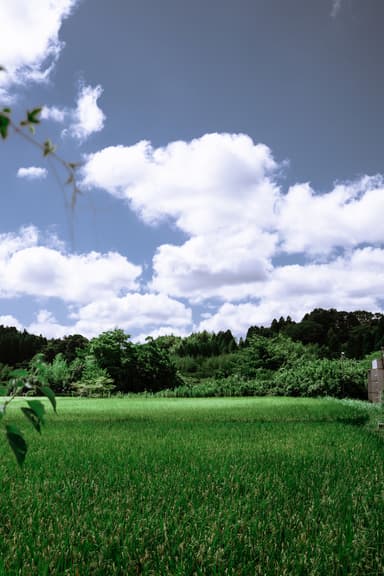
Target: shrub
(323,377)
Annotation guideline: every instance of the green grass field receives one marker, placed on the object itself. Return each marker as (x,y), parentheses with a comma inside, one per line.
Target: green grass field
(256,486)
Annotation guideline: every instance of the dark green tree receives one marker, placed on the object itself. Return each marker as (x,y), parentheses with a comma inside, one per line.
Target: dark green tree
(115,352)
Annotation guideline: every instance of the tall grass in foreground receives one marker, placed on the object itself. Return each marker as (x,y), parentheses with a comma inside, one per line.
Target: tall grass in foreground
(266,486)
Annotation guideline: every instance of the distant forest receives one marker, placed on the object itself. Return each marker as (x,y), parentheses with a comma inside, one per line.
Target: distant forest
(331,332)
(312,356)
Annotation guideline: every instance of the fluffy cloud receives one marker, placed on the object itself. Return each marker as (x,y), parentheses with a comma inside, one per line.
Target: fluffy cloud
(149,313)
(241,228)
(216,182)
(214,265)
(8,320)
(47,325)
(29,39)
(54,113)
(133,313)
(222,191)
(99,291)
(87,118)
(218,190)
(32,173)
(345,217)
(27,268)
(83,120)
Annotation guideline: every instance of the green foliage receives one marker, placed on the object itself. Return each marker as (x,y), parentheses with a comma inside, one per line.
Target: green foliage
(99,387)
(69,347)
(5,371)
(31,119)
(323,377)
(95,381)
(154,368)
(134,367)
(35,413)
(263,354)
(4,122)
(269,362)
(35,382)
(59,374)
(332,332)
(18,347)
(303,377)
(115,353)
(49,148)
(202,367)
(16,442)
(56,374)
(206,344)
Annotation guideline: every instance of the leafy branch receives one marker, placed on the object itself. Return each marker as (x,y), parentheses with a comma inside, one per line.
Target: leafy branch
(26,129)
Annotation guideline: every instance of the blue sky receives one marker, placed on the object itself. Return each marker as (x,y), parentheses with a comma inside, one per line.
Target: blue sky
(232,163)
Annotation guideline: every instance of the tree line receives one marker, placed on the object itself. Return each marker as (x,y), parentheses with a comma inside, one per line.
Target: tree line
(112,363)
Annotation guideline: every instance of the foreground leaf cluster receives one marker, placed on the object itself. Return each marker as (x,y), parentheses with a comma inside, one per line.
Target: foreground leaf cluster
(24,382)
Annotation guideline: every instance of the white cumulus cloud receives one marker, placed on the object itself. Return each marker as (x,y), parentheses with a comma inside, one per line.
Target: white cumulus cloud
(134,313)
(9,320)
(209,183)
(83,120)
(47,325)
(217,189)
(32,173)
(29,39)
(53,113)
(251,250)
(348,215)
(149,313)
(224,193)
(30,269)
(87,118)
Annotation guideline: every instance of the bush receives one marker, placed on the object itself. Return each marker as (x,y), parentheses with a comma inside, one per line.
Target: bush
(323,377)
(95,381)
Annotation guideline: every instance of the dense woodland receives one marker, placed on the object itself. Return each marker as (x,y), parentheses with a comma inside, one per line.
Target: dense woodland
(322,354)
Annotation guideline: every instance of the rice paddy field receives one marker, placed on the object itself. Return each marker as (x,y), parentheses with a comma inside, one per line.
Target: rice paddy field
(227,486)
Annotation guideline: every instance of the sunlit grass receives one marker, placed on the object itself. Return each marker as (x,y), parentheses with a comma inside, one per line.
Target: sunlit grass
(267,486)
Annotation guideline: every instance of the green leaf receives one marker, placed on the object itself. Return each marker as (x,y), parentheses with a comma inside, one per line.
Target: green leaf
(2,410)
(4,125)
(30,414)
(19,373)
(6,110)
(17,443)
(46,391)
(49,148)
(32,116)
(38,408)
(35,413)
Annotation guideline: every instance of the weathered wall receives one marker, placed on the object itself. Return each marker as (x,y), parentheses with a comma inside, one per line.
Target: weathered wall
(376,380)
